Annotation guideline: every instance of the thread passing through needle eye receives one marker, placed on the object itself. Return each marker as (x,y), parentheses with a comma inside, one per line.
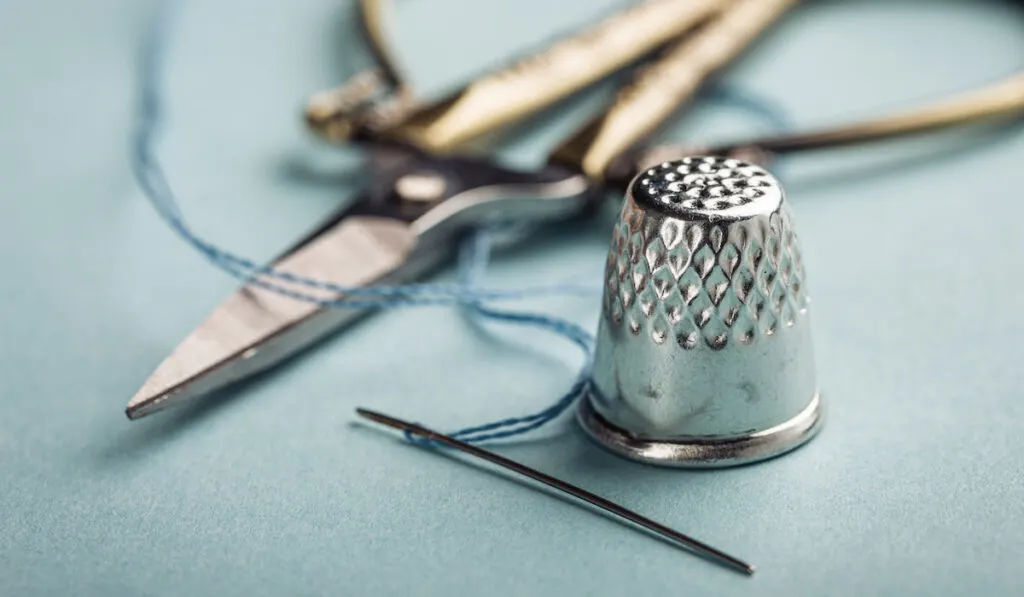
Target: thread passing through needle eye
(673,536)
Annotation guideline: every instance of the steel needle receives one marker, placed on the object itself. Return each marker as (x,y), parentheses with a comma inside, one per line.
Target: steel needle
(674,536)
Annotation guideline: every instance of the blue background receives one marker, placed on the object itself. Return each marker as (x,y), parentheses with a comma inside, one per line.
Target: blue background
(913,251)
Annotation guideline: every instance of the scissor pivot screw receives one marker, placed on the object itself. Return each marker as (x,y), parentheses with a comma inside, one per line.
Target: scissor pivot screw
(421,186)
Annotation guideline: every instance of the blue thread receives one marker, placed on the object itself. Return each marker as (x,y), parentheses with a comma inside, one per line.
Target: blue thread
(150,175)
(474,255)
(473,258)
(474,250)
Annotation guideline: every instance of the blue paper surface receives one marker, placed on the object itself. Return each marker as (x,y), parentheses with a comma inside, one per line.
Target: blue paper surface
(914,257)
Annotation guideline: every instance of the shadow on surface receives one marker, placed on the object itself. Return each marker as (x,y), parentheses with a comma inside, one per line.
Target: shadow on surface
(305,170)
(148,434)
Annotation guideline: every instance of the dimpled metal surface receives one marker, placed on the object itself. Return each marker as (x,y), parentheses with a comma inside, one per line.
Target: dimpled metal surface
(705,331)
(713,187)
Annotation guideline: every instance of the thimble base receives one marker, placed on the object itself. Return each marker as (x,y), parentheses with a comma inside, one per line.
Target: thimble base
(705,453)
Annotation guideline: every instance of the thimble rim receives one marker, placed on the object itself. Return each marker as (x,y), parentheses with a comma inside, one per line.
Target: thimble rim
(705,452)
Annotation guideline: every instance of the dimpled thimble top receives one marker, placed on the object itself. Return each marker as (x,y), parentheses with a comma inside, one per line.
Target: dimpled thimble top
(708,187)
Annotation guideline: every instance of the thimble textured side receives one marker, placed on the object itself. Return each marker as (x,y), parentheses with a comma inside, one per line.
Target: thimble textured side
(704,354)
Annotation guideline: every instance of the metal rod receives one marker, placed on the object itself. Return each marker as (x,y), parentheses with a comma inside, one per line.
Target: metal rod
(563,486)
(1003,100)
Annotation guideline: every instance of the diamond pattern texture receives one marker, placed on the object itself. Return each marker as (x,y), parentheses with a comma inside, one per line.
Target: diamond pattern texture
(709,183)
(704,283)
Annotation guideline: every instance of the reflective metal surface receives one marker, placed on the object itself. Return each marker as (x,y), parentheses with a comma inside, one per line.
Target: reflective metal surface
(416,206)
(385,238)
(707,453)
(704,351)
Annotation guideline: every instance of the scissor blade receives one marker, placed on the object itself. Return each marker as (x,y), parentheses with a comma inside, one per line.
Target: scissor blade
(257,328)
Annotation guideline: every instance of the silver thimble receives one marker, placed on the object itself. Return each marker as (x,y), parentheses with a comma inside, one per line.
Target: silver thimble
(704,355)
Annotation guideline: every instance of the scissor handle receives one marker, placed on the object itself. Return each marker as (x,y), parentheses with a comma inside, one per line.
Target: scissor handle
(659,89)
(538,81)
(378,94)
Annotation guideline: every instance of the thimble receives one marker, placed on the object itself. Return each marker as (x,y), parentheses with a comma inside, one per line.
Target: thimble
(704,355)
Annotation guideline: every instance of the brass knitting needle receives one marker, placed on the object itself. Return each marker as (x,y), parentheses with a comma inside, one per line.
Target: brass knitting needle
(673,536)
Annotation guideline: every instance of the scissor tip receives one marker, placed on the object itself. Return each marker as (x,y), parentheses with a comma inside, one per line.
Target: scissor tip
(137,410)
(146,403)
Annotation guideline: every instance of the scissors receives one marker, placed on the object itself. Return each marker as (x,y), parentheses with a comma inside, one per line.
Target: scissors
(427,190)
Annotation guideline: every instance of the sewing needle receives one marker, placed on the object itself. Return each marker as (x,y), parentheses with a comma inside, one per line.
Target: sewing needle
(673,536)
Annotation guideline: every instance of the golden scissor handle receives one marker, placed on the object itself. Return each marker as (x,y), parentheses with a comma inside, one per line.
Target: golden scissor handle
(375,96)
(660,89)
(496,100)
